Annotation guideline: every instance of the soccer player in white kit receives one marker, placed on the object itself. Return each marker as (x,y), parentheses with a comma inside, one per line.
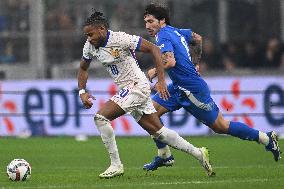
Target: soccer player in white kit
(115,50)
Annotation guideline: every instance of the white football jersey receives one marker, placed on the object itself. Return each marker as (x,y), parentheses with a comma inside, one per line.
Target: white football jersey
(118,57)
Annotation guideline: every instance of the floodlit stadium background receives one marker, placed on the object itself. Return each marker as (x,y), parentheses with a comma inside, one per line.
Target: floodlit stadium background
(41,44)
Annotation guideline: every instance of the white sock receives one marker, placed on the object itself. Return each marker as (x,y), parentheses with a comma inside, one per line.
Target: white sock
(164,152)
(171,138)
(108,138)
(263,138)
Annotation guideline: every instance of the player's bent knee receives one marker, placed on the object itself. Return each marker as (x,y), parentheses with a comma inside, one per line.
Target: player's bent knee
(216,129)
(166,135)
(101,120)
(220,128)
(104,126)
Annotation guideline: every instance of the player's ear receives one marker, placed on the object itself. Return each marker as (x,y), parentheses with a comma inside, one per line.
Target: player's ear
(102,27)
(163,21)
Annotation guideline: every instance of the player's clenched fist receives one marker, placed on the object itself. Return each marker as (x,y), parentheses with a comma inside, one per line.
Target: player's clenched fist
(86,99)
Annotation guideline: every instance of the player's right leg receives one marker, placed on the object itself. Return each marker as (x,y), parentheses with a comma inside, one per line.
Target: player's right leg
(244,132)
(107,113)
(164,157)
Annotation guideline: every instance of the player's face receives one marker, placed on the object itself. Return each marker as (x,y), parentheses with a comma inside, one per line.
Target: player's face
(152,24)
(96,35)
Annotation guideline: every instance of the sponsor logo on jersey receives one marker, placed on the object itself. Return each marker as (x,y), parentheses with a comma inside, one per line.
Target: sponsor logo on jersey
(161,46)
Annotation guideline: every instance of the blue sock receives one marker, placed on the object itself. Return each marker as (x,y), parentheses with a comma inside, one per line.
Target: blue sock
(160,144)
(242,131)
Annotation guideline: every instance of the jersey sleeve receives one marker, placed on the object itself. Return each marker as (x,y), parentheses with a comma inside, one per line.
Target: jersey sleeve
(163,41)
(187,33)
(87,56)
(127,41)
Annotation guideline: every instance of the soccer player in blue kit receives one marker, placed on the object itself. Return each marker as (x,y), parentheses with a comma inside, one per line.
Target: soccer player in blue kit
(181,49)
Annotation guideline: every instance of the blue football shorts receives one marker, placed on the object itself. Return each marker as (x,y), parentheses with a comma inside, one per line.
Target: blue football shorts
(200,105)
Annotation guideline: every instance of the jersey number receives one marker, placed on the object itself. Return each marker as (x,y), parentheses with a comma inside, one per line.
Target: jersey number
(113,69)
(183,41)
(123,92)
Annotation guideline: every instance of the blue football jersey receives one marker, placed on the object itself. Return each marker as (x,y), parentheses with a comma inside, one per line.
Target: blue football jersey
(183,74)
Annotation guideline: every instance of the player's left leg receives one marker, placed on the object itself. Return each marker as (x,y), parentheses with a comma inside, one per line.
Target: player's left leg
(243,131)
(151,123)
(107,113)
(204,109)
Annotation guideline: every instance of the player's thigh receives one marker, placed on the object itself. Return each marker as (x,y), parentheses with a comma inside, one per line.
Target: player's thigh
(205,111)
(135,101)
(151,123)
(161,110)
(111,110)
(163,106)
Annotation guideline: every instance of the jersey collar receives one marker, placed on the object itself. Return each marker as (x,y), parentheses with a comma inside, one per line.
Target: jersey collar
(163,28)
(107,37)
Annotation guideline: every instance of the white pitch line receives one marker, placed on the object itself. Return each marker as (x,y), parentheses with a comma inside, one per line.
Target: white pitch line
(196,182)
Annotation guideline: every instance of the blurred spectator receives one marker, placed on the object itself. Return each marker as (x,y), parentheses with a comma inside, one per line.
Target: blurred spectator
(252,56)
(19,20)
(61,26)
(3,22)
(127,16)
(229,63)
(14,26)
(231,56)
(64,20)
(282,62)
(272,54)
(7,54)
(58,19)
(211,58)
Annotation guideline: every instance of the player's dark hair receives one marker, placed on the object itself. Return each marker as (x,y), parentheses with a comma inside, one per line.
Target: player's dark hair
(97,18)
(158,12)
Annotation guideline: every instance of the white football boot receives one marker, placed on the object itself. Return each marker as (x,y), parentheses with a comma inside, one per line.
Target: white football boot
(112,171)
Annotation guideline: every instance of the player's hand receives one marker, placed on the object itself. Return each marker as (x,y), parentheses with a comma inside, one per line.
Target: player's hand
(151,74)
(86,99)
(197,67)
(162,89)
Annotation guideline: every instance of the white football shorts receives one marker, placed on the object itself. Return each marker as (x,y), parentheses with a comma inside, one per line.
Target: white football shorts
(135,100)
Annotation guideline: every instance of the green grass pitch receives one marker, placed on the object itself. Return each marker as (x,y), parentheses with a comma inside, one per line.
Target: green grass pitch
(62,162)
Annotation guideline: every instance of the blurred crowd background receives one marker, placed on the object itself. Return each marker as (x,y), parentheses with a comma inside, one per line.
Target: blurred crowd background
(44,38)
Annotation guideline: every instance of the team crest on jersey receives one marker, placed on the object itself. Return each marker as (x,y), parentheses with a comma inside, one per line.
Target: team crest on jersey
(114,52)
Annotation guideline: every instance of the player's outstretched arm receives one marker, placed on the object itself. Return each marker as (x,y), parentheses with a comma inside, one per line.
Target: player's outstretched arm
(161,86)
(82,81)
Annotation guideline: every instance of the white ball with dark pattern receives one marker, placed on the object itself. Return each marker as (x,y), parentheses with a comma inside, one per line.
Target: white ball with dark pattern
(19,170)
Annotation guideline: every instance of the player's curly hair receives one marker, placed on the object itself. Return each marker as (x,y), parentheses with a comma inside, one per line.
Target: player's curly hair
(97,18)
(158,11)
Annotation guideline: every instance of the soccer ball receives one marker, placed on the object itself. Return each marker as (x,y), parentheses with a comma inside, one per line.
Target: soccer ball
(19,170)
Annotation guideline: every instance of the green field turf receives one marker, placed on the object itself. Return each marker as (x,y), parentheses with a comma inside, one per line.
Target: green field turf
(62,162)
